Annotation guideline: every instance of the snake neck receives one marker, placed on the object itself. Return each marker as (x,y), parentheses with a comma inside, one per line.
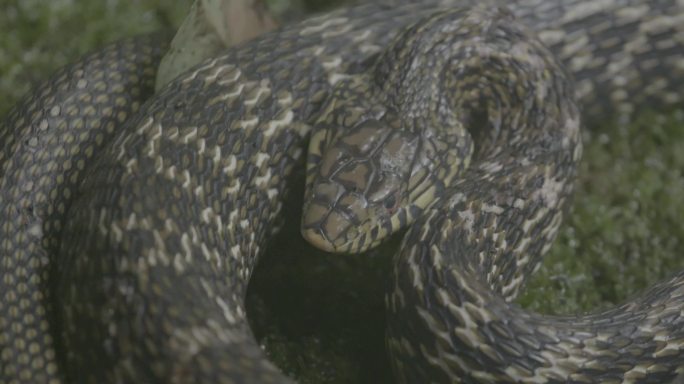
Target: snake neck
(467,258)
(393,141)
(505,208)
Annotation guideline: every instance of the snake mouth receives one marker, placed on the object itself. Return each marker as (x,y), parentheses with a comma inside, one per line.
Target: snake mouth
(327,228)
(332,216)
(317,238)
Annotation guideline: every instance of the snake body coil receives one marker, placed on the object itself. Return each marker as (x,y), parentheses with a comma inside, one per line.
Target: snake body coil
(134,268)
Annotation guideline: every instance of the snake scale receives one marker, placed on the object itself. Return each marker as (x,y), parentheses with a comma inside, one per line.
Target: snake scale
(129,231)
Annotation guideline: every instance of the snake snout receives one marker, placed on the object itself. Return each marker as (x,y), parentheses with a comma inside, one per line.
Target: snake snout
(332,216)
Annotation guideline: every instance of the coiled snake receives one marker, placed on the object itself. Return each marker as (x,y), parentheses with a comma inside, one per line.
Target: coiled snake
(134,268)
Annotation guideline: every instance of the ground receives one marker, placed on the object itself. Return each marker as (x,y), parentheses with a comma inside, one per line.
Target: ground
(321,316)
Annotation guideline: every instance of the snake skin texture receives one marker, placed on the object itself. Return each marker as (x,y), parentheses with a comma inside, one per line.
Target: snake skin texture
(126,249)
(45,144)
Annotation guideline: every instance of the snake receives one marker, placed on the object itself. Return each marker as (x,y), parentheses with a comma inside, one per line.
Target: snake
(131,226)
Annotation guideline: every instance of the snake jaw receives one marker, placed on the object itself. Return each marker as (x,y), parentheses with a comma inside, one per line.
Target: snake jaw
(326,227)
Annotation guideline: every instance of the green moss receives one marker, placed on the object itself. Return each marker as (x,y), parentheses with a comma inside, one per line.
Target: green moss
(322,316)
(624,231)
(37,36)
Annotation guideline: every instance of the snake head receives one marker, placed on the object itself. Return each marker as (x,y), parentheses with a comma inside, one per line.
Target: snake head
(357,185)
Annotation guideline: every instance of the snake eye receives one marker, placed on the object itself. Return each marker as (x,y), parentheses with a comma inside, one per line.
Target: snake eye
(391,202)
